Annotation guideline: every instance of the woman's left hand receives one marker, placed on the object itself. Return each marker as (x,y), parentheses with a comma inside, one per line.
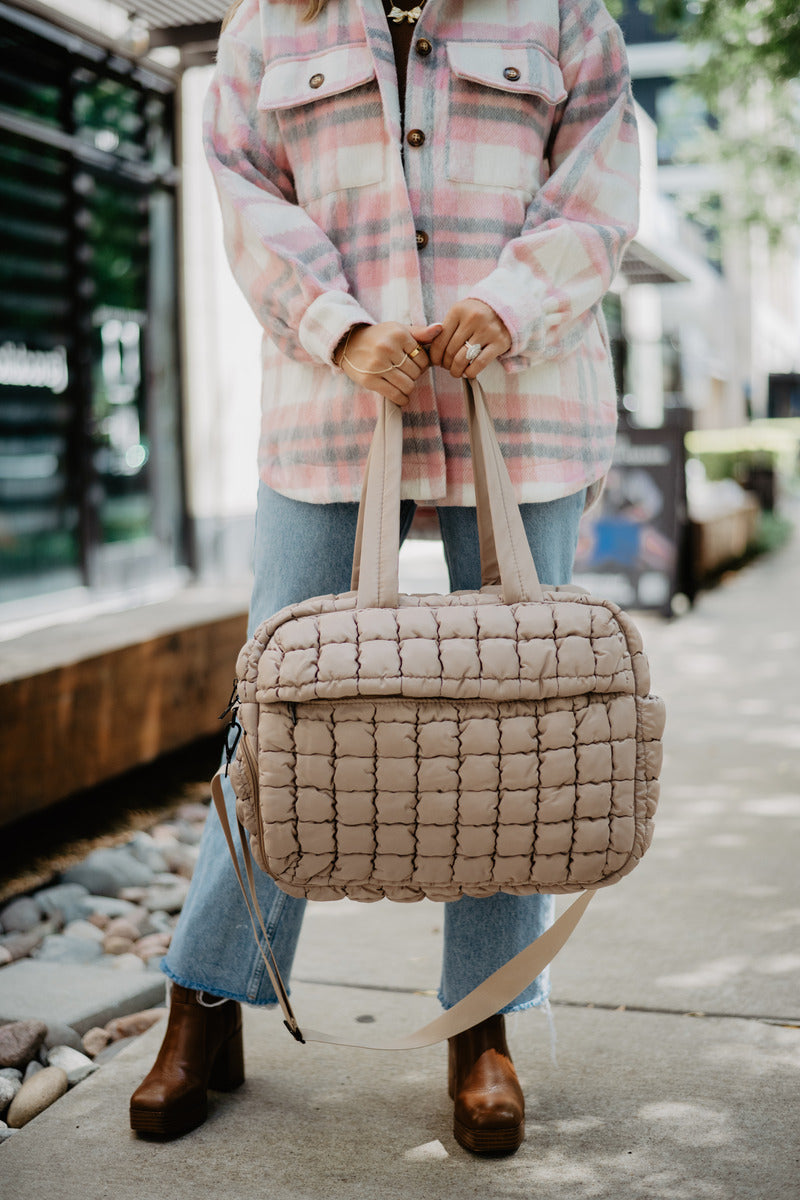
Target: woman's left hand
(469,321)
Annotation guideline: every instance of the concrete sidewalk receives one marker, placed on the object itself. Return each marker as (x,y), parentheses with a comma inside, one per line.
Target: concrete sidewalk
(677,1002)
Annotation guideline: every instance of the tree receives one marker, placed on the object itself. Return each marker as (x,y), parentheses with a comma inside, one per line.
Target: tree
(747,55)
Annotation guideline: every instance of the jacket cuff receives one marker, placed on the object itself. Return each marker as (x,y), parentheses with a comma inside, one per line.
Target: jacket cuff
(327,320)
(520,305)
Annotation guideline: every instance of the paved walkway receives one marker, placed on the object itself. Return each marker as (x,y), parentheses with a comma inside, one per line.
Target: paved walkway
(677,1003)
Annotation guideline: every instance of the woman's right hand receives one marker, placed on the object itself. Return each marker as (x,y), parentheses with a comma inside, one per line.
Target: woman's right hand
(387,358)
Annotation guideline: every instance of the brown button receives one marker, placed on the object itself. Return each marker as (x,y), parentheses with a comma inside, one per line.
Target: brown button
(511,73)
(415,137)
(423,47)
(316,81)
(422,239)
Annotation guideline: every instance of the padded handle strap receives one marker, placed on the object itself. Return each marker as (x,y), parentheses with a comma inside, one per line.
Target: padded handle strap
(503,986)
(505,555)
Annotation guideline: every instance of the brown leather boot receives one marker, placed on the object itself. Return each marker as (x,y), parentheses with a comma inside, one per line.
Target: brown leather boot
(202,1049)
(489,1115)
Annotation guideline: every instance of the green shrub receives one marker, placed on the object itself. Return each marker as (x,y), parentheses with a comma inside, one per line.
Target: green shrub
(736,453)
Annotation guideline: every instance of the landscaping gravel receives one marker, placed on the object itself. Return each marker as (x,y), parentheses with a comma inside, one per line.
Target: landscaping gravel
(116,909)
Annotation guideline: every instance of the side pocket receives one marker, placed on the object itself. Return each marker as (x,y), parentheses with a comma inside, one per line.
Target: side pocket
(330,116)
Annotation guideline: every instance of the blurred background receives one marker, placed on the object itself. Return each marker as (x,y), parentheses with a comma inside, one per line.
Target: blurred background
(129,367)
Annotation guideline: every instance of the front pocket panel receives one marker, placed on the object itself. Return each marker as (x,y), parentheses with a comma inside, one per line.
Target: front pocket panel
(544,798)
(501,106)
(329,113)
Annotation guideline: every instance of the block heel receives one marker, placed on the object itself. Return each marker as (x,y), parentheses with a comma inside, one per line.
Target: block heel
(227,1071)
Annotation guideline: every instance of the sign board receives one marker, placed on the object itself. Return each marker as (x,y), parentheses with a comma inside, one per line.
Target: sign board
(629,545)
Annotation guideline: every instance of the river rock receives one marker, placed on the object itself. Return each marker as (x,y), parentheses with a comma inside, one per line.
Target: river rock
(11,1073)
(36,1095)
(167,897)
(21,915)
(181,859)
(117,945)
(20,945)
(8,1090)
(62,1035)
(58,948)
(157,922)
(144,848)
(5,1132)
(5,957)
(123,927)
(95,1040)
(124,962)
(156,943)
(84,929)
(108,870)
(134,1024)
(33,1068)
(63,900)
(109,906)
(194,811)
(20,1041)
(188,832)
(74,1063)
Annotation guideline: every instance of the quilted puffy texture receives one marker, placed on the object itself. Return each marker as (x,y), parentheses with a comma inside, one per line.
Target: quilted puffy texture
(454,745)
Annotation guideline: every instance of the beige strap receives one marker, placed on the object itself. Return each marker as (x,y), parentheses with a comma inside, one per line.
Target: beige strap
(503,986)
(377,550)
(505,554)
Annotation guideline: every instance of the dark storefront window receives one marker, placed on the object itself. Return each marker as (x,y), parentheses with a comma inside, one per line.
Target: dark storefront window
(90,483)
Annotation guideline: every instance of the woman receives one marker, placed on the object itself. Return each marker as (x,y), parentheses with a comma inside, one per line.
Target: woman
(409,197)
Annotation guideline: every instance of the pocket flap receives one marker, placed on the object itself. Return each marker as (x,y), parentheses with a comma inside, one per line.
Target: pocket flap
(511,67)
(288,82)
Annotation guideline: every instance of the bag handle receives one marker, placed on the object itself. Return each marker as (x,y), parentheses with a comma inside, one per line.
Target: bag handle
(505,554)
(498,990)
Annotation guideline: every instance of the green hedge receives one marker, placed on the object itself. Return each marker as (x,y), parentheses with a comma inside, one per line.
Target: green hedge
(735,453)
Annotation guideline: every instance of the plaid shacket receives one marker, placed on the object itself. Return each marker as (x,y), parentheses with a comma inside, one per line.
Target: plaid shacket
(523,194)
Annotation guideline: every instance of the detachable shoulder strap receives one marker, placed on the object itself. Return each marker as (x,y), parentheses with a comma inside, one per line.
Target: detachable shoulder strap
(503,986)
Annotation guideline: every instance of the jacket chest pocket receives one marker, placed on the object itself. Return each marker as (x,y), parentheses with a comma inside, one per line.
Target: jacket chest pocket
(329,112)
(502,102)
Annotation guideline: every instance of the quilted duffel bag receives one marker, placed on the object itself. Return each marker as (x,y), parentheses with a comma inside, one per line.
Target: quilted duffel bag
(409,746)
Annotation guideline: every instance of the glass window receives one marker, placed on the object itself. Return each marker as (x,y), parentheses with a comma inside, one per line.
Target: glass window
(88,340)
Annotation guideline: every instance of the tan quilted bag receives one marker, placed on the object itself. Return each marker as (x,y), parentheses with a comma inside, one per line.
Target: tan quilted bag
(411,745)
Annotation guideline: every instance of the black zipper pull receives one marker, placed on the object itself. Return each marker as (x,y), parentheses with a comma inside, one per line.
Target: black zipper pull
(232,734)
(231,700)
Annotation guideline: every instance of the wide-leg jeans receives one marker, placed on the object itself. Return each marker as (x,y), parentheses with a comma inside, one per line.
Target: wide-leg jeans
(304,550)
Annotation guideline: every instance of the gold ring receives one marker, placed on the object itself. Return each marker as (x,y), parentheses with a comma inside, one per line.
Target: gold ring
(413,353)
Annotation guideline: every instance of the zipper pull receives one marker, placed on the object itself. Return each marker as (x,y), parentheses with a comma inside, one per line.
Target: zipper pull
(231,705)
(232,734)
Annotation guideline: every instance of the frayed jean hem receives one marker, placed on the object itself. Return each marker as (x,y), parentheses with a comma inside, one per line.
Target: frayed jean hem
(193,986)
(542,1001)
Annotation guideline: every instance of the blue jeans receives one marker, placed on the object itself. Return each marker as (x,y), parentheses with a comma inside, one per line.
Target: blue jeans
(304,550)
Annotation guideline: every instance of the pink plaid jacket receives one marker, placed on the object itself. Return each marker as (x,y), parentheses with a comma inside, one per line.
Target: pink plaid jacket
(523,194)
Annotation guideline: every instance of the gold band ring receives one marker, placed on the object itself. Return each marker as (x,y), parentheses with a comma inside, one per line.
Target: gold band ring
(415,352)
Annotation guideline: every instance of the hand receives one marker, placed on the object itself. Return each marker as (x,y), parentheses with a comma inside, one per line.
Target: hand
(469,321)
(387,358)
